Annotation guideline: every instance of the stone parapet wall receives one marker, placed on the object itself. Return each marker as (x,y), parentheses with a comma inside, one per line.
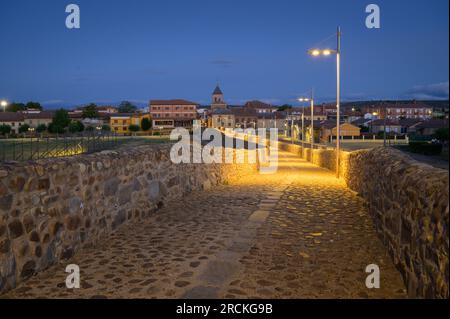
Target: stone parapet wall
(51,208)
(409,204)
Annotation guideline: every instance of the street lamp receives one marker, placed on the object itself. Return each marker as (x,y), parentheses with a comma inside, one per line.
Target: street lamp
(327,52)
(303,124)
(310,99)
(4,104)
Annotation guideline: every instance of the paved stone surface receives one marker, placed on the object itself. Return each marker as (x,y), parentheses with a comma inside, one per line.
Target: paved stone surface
(299,233)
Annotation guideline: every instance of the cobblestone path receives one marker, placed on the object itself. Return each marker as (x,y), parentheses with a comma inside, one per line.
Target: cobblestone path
(297,234)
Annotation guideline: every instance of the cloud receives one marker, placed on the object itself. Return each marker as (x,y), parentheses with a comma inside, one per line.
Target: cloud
(222,62)
(436,91)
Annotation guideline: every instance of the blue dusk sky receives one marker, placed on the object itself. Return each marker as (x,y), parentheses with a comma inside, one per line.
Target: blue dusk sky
(139,50)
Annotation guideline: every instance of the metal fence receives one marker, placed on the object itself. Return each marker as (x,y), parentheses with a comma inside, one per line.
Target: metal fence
(36,147)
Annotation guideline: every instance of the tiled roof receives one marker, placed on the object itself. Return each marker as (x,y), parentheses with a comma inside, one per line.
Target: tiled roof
(11,117)
(40,115)
(409,122)
(272,115)
(258,105)
(217,90)
(243,111)
(381,122)
(361,121)
(172,102)
(435,123)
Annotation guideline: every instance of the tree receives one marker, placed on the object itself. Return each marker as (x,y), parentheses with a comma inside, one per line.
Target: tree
(15,107)
(134,128)
(60,121)
(75,127)
(41,128)
(34,105)
(106,127)
(441,134)
(146,124)
(90,111)
(364,129)
(24,128)
(285,107)
(5,129)
(127,107)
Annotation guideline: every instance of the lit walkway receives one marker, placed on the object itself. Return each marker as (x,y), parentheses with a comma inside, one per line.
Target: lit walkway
(297,234)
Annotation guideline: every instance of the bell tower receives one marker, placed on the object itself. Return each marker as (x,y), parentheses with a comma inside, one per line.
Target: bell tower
(218,101)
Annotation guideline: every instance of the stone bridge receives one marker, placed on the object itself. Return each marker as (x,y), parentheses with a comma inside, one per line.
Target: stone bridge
(139,226)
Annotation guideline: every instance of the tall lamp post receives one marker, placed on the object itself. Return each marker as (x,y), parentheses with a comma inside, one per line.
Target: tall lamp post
(303,124)
(311,100)
(327,52)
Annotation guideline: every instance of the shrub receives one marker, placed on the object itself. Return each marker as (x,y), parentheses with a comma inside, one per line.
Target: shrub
(5,129)
(41,128)
(75,127)
(106,128)
(134,128)
(425,148)
(146,124)
(442,134)
(24,128)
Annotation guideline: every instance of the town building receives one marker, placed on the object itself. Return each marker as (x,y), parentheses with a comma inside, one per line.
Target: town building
(223,118)
(392,126)
(276,120)
(400,110)
(245,117)
(120,122)
(429,127)
(13,119)
(34,119)
(328,130)
(173,113)
(260,107)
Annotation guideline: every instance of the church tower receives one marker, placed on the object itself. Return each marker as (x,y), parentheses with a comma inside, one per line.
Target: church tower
(217,99)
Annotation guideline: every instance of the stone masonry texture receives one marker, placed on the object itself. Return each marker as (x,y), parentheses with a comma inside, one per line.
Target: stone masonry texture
(142,227)
(409,205)
(299,233)
(51,208)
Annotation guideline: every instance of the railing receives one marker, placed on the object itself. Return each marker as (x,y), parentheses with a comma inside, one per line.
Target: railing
(33,147)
